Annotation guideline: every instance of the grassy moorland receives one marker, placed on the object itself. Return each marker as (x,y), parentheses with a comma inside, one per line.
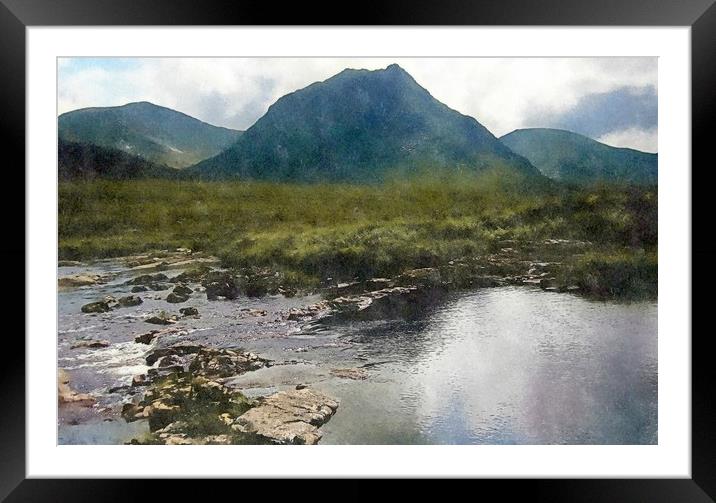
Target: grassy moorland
(310,232)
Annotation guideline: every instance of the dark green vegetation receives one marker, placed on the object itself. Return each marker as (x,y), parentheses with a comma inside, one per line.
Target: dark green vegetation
(359,126)
(573,158)
(310,232)
(157,134)
(87,162)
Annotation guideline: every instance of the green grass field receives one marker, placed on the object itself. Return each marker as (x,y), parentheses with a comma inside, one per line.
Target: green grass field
(346,231)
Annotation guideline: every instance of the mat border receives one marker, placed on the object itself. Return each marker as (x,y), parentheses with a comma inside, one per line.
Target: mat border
(700,15)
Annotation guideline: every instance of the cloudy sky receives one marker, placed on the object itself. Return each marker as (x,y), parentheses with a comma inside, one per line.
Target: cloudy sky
(613,100)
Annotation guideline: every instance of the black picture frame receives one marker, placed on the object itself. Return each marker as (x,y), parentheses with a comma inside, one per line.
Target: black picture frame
(700,15)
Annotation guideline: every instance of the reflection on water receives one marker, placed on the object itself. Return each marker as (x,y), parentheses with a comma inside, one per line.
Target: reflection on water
(505,366)
(498,365)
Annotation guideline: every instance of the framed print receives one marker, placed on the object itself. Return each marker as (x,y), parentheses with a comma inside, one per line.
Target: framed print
(431,242)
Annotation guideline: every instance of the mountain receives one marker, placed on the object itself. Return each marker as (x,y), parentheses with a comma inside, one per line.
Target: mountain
(77,161)
(359,126)
(158,134)
(573,158)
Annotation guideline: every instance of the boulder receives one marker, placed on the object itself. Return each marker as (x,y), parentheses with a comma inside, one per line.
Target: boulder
(130,301)
(182,290)
(162,319)
(189,311)
(158,287)
(101,306)
(139,288)
(194,275)
(220,284)
(175,298)
(215,363)
(177,349)
(288,417)
(146,338)
(89,343)
(147,279)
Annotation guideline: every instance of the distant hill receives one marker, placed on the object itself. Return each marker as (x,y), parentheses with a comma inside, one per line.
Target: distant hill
(359,126)
(573,158)
(78,161)
(158,134)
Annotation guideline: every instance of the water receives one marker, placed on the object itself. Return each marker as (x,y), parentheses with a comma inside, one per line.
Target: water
(506,366)
(512,365)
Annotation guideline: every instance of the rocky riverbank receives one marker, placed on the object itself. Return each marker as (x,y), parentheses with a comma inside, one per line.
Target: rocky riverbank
(150,312)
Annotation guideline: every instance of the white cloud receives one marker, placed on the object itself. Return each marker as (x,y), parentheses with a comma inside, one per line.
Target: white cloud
(645,140)
(501,93)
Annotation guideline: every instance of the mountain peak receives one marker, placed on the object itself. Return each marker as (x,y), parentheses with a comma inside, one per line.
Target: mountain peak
(358,126)
(394,67)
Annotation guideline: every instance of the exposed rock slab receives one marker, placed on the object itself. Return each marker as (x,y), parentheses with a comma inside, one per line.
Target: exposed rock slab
(77,280)
(66,395)
(288,417)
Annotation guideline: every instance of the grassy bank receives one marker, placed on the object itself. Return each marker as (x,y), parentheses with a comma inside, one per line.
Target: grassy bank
(344,231)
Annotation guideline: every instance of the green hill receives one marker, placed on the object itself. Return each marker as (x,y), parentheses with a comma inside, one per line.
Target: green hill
(158,134)
(360,126)
(77,161)
(573,158)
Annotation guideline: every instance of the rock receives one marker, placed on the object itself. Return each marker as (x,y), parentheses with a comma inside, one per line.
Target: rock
(379,284)
(382,304)
(177,349)
(426,277)
(189,311)
(288,417)
(139,288)
(220,284)
(176,298)
(139,380)
(66,395)
(158,287)
(80,280)
(313,311)
(147,279)
(350,373)
(162,319)
(194,275)
(254,312)
(182,290)
(179,396)
(146,338)
(348,288)
(102,306)
(69,263)
(89,343)
(170,361)
(224,363)
(166,371)
(300,386)
(130,301)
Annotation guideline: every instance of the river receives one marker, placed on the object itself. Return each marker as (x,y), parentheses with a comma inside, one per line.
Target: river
(505,365)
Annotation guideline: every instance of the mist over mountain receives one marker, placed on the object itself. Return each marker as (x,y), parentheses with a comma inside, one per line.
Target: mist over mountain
(572,158)
(155,133)
(360,126)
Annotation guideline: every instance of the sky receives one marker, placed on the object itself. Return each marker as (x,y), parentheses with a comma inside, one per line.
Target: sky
(613,100)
